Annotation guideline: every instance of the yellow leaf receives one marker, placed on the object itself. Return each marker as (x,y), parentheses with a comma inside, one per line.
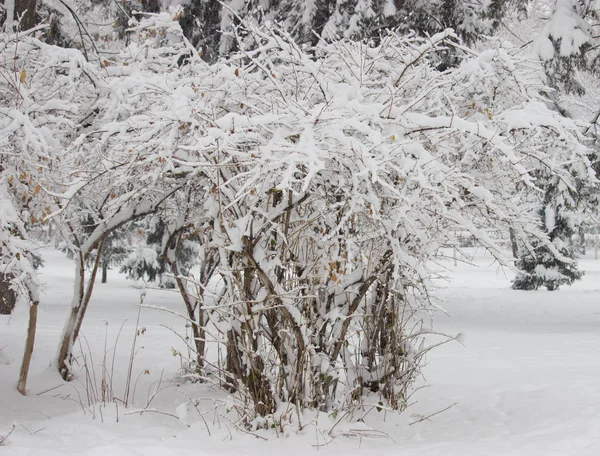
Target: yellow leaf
(23,76)
(393,137)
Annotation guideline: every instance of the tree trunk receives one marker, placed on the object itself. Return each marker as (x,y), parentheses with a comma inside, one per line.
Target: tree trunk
(66,344)
(26,10)
(33,310)
(191,303)
(8,296)
(81,298)
(582,248)
(104,272)
(513,243)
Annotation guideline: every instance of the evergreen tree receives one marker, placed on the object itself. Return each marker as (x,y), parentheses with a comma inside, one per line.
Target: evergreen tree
(565,45)
(539,265)
(114,251)
(115,248)
(147,262)
(568,52)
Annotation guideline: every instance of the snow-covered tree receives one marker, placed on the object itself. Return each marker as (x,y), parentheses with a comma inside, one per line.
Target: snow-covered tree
(538,264)
(26,151)
(563,44)
(145,261)
(121,154)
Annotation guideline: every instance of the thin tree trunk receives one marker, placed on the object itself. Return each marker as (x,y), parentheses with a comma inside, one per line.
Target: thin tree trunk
(513,243)
(88,292)
(582,240)
(65,346)
(104,272)
(33,311)
(81,298)
(198,330)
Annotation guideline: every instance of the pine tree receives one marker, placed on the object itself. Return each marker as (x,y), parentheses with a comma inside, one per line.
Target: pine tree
(564,45)
(147,262)
(539,265)
(566,48)
(116,248)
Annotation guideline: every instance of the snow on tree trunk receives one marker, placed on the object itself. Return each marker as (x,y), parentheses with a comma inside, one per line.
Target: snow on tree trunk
(66,345)
(82,295)
(9,7)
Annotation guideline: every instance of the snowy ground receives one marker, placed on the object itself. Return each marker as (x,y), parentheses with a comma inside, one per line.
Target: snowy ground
(525,382)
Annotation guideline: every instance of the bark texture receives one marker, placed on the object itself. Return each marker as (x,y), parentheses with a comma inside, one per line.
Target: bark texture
(22,385)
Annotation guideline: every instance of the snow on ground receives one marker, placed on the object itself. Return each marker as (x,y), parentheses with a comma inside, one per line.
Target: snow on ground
(525,382)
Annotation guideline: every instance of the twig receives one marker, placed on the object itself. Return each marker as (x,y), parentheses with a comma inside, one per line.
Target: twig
(50,389)
(152,411)
(423,418)
(244,430)
(3,438)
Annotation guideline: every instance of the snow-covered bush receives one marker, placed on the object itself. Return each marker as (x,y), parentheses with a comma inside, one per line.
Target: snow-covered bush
(331,182)
(316,184)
